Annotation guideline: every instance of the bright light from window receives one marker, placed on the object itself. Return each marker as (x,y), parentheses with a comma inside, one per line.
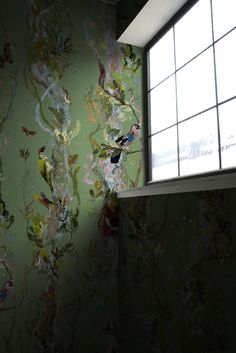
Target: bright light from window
(227,113)
(193,32)
(226,66)
(224,16)
(198,146)
(164,155)
(196,85)
(162,62)
(192,93)
(163,105)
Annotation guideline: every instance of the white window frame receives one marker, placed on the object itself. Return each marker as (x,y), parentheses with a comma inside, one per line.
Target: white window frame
(220,179)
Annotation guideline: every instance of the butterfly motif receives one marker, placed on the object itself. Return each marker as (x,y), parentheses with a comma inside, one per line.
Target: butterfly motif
(28,132)
(6,55)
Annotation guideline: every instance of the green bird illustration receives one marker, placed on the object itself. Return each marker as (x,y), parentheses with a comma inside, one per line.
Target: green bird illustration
(45,167)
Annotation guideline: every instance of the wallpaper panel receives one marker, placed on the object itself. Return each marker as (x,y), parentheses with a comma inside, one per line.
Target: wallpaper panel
(177,273)
(70,134)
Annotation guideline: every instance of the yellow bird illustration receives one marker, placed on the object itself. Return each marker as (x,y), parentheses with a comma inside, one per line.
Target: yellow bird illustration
(45,167)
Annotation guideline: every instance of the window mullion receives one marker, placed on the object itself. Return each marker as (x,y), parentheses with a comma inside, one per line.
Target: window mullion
(148,174)
(176,100)
(216,88)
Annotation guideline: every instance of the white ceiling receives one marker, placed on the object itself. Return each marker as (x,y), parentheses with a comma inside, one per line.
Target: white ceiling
(153,16)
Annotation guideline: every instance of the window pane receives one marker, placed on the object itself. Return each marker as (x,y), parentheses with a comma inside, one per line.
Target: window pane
(227,114)
(164,154)
(226,66)
(193,32)
(224,16)
(163,105)
(162,59)
(196,86)
(199,144)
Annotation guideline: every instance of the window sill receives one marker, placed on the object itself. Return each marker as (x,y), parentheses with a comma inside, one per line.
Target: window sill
(222,180)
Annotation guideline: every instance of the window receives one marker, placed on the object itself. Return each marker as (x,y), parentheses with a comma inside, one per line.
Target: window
(191,91)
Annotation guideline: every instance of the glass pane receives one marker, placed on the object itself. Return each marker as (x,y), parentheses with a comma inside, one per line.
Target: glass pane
(196,85)
(198,144)
(224,16)
(164,154)
(227,114)
(193,32)
(163,105)
(162,59)
(226,66)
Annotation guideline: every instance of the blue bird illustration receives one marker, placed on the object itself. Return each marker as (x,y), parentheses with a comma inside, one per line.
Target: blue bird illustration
(4,292)
(125,141)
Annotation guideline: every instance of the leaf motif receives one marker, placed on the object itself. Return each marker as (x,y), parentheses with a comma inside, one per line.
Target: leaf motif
(24,153)
(77,170)
(58,114)
(98,185)
(72,159)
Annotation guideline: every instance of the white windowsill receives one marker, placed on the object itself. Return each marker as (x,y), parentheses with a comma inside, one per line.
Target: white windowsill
(212,182)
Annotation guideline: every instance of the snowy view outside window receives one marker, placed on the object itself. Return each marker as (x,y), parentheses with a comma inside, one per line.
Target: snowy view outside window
(192,92)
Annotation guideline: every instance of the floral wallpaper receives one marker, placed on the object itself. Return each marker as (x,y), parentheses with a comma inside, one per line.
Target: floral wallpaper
(71,130)
(177,273)
(80,270)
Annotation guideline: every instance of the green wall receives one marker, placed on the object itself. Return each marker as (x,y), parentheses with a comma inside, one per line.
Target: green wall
(177,265)
(67,92)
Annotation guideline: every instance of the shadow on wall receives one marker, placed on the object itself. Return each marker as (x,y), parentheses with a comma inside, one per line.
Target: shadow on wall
(177,273)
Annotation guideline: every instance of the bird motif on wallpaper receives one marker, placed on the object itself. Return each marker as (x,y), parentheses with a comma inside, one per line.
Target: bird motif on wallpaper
(125,141)
(28,132)
(4,292)
(42,198)
(45,167)
(6,218)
